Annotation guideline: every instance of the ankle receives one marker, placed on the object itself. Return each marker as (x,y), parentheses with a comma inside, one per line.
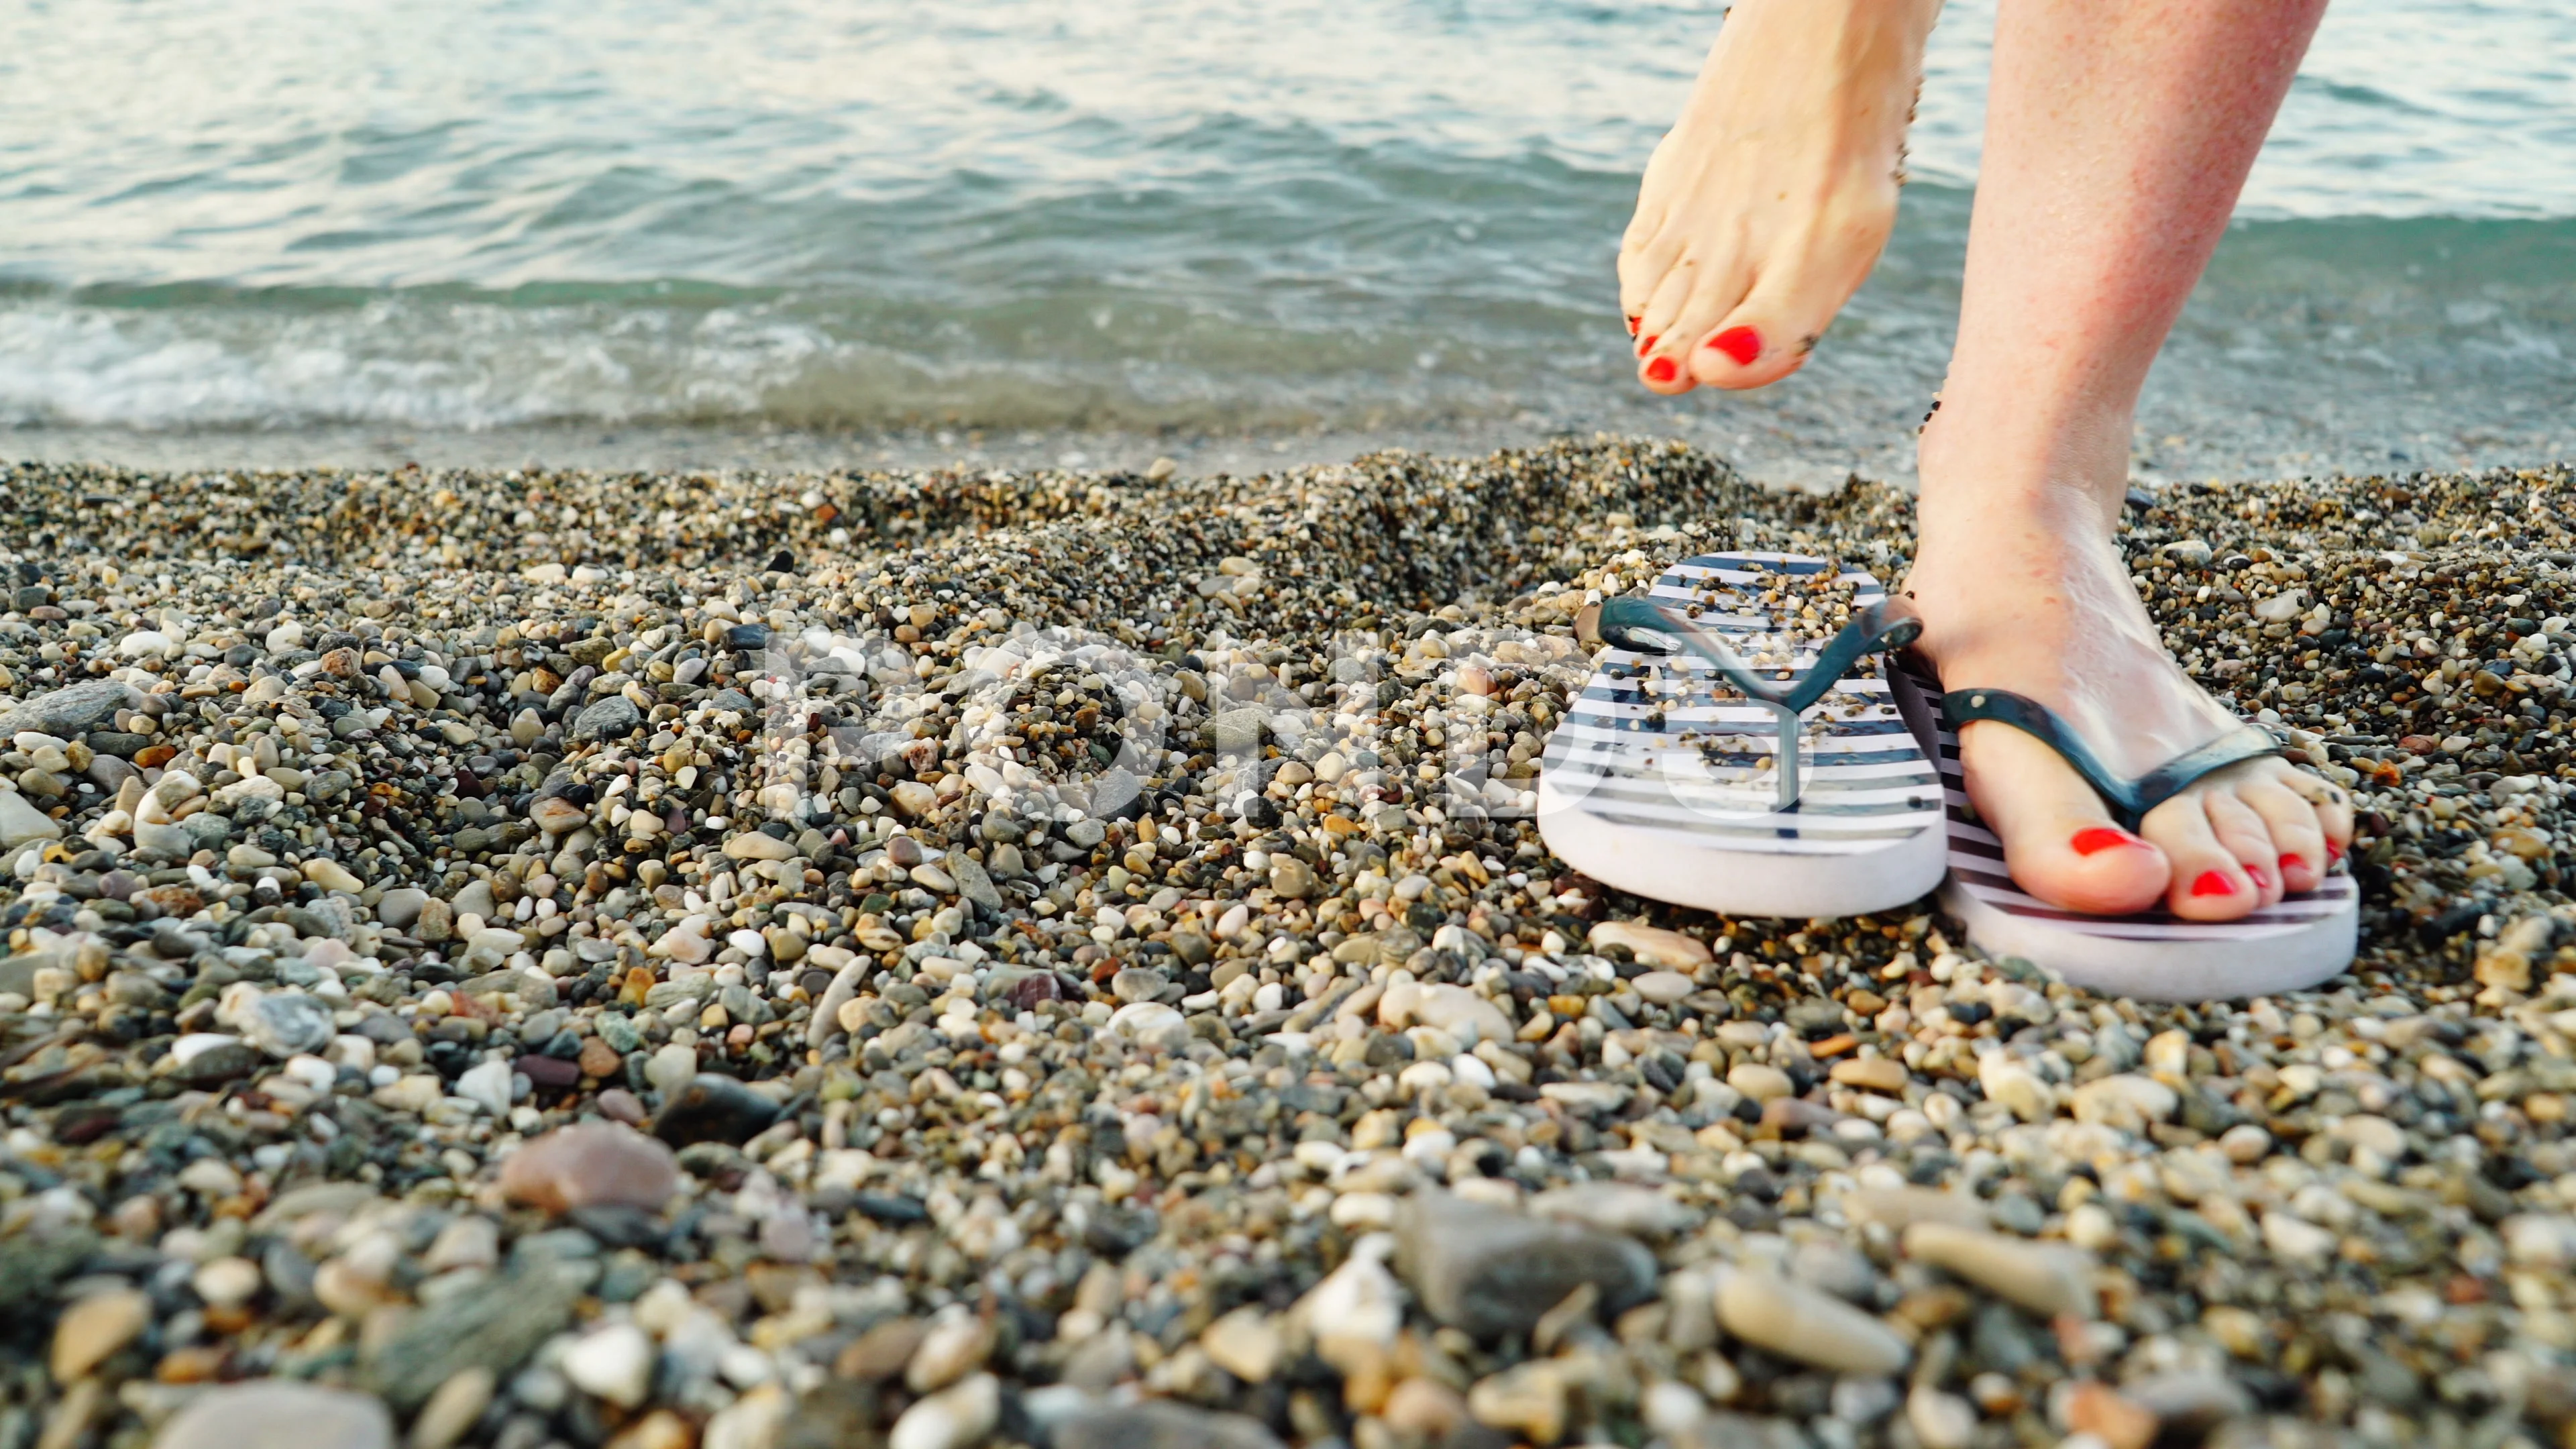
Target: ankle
(2036,476)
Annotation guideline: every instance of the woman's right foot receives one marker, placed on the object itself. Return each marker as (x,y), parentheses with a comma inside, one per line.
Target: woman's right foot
(1765,207)
(2020,588)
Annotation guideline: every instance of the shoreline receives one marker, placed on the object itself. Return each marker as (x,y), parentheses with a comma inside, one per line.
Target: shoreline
(754,961)
(1808,446)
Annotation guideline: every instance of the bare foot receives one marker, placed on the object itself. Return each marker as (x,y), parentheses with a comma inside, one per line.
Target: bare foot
(2032,597)
(1767,204)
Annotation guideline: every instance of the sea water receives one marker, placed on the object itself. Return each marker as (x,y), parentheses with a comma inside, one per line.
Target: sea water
(1158,218)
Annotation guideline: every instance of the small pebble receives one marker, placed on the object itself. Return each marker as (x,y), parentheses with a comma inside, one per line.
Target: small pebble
(1800,1323)
(2046,1279)
(952,1418)
(614,1362)
(278,1414)
(591,1165)
(95,1327)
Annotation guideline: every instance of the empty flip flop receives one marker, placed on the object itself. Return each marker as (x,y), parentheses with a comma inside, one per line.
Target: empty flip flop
(2153,955)
(1722,756)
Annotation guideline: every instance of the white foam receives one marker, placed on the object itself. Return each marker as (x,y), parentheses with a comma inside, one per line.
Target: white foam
(413,362)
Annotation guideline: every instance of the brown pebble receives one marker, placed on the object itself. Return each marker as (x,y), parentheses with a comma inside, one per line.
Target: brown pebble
(547,1071)
(592,1164)
(882,1351)
(173,900)
(1878,1074)
(96,1327)
(660,1429)
(1796,1114)
(2096,1409)
(1425,1410)
(195,1364)
(599,1059)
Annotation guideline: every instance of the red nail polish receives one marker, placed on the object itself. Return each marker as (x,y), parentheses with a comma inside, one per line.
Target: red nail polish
(2262,878)
(1661,369)
(1632,326)
(1647,344)
(2292,862)
(2213,883)
(2093,840)
(1741,343)
(2334,852)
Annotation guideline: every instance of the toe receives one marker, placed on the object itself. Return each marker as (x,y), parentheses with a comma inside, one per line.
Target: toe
(2297,838)
(1711,295)
(2332,805)
(2059,843)
(2245,834)
(1649,247)
(1667,365)
(1643,267)
(2209,882)
(1769,334)
(1657,367)
(1751,347)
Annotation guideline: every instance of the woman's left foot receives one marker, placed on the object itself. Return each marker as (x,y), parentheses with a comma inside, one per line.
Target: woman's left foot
(1766,205)
(2037,601)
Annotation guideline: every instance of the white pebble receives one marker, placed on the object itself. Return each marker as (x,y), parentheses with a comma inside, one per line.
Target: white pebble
(952,1418)
(486,1085)
(613,1363)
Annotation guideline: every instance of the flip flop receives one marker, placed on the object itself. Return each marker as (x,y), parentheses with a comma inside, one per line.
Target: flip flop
(1724,756)
(2153,955)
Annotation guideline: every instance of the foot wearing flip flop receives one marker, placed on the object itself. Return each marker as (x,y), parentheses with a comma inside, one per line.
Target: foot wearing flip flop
(1767,204)
(2034,600)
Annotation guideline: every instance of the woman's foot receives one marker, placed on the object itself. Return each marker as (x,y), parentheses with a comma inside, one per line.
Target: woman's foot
(1767,204)
(2030,596)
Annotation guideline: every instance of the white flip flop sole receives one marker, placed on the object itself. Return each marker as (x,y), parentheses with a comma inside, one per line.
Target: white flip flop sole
(2153,955)
(1659,782)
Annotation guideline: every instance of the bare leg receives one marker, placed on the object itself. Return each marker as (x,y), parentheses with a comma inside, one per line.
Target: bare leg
(2118,134)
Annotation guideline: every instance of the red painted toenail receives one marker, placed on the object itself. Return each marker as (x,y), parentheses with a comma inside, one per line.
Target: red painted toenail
(2290,863)
(1741,343)
(2213,883)
(2262,878)
(1647,344)
(1632,326)
(2096,839)
(1662,369)
(2334,852)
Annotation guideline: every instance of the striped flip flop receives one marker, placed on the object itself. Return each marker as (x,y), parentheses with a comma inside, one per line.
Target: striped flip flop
(2153,955)
(1724,755)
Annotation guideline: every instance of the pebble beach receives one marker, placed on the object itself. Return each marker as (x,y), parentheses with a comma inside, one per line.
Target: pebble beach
(962,957)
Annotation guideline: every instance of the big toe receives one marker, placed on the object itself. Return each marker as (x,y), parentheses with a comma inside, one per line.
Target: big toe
(2060,845)
(1769,334)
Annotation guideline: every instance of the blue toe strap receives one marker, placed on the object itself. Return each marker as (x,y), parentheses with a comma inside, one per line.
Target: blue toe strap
(2129,799)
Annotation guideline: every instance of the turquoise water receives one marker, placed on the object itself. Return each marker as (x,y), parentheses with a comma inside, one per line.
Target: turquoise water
(1203,215)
